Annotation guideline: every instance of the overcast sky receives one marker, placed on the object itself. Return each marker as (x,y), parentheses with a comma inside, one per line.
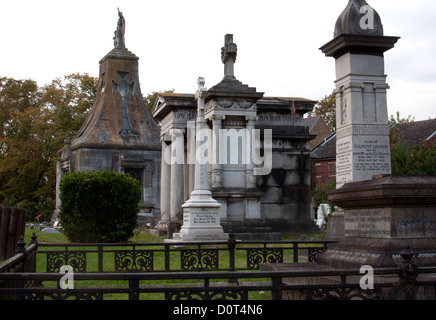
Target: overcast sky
(179,40)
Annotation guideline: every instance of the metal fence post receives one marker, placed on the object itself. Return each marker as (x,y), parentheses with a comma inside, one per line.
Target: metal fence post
(100,257)
(295,251)
(133,289)
(277,288)
(408,274)
(167,257)
(231,244)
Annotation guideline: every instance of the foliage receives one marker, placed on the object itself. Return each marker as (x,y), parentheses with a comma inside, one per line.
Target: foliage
(420,159)
(99,206)
(149,99)
(319,192)
(327,109)
(33,125)
(415,160)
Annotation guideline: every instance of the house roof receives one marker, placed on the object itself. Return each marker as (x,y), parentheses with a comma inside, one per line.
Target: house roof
(326,149)
(413,133)
(310,122)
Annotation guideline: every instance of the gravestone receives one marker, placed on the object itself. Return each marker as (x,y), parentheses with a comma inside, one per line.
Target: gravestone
(201,213)
(362,136)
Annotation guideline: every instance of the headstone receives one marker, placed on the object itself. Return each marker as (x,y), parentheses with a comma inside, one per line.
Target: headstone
(201,213)
(322,214)
(49,230)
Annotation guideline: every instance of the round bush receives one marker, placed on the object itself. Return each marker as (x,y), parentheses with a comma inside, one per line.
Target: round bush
(99,206)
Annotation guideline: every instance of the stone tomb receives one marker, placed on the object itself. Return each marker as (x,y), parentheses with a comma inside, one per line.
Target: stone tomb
(382,215)
(277,200)
(119,133)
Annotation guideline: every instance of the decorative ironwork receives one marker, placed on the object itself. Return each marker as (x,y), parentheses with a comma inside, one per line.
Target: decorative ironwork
(207,295)
(199,259)
(134,260)
(313,253)
(263,255)
(75,259)
(65,295)
(344,293)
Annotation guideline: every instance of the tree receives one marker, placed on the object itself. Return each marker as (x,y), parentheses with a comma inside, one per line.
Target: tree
(419,159)
(415,160)
(149,99)
(327,109)
(33,124)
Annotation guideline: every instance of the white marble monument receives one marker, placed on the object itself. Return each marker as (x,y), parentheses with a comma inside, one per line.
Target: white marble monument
(362,147)
(201,213)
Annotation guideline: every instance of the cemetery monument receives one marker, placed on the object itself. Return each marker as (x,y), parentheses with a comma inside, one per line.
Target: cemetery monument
(119,133)
(260,171)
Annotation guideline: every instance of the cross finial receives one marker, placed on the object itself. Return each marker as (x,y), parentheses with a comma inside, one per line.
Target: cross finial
(228,56)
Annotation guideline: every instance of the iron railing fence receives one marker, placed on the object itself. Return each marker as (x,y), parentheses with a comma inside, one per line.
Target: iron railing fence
(19,279)
(231,255)
(214,285)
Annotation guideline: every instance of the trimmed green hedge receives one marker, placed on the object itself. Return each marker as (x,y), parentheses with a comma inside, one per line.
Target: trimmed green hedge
(99,206)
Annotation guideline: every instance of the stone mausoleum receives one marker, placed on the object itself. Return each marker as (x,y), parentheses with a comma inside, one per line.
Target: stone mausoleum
(256,198)
(119,133)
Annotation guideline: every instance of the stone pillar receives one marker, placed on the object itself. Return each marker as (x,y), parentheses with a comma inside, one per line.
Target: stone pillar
(362,135)
(176,184)
(217,168)
(165,191)
(250,178)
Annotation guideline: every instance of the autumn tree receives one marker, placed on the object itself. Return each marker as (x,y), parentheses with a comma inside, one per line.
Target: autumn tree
(33,125)
(149,98)
(326,108)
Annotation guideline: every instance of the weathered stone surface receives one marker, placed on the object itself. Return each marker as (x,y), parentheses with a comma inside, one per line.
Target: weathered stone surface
(119,133)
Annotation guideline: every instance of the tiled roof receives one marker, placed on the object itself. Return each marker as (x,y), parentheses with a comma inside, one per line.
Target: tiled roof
(413,133)
(326,149)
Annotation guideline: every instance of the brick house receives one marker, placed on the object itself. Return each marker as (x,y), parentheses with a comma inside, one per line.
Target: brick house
(324,161)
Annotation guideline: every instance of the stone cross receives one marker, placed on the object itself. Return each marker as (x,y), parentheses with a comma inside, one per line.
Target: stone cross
(228,56)
(124,88)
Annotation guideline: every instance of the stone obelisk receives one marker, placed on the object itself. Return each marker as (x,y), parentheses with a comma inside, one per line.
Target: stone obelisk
(201,217)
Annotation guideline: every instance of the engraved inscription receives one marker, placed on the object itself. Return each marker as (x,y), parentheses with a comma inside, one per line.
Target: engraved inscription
(367,223)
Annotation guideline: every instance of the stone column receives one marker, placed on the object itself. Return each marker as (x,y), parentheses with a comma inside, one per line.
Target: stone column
(250,178)
(176,175)
(165,191)
(217,168)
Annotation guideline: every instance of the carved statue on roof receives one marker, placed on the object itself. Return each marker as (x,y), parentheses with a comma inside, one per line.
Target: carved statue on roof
(119,33)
